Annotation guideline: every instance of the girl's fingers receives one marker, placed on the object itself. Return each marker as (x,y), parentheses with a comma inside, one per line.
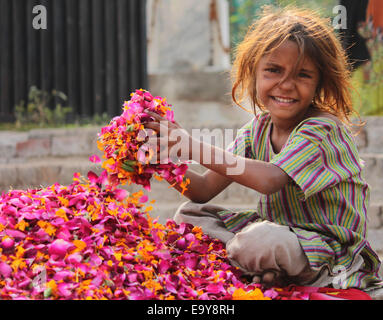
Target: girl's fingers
(153,125)
(161,128)
(157,127)
(158,144)
(159,118)
(257,279)
(156,116)
(268,278)
(163,149)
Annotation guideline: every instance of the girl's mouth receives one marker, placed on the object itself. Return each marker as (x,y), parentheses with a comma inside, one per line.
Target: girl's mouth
(284,100)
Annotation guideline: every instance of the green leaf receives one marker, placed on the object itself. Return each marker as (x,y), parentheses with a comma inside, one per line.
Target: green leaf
(47,292)
(130,128)
(127,167)
(130,162)
(108,283)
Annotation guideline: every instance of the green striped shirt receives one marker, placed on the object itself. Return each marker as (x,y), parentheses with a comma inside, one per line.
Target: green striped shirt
(326,202)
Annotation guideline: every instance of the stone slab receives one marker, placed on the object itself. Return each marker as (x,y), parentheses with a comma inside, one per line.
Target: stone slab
(191,86)
(176,20)
(34,148)
(8,142)
(375,237)
(374,218)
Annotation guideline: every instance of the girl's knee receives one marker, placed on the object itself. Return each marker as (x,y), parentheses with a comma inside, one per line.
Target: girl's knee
(266,245)
(179,216)
(205,217)
(253,241)
(260,235)
(184,206)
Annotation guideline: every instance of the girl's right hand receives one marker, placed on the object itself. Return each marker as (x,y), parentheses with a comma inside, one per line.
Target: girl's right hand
(171,142)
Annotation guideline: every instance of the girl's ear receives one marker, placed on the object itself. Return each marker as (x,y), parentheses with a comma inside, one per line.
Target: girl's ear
(319,88)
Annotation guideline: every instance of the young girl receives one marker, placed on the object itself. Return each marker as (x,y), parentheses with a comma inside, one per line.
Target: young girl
(310,224)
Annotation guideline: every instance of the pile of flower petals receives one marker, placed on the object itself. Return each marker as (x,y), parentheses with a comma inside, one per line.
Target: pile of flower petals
(83,241)
(128,158)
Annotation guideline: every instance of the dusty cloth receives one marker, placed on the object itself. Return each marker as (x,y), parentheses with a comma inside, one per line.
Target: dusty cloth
(205,216)
(260,247)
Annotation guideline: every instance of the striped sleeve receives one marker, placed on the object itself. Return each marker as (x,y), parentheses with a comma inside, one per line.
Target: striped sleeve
(242,144)
(318,155)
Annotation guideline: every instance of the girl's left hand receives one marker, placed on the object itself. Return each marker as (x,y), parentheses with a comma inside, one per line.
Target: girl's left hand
(172,141)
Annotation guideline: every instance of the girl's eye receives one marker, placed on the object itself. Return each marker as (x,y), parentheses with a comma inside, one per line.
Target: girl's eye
(304,75)
(272,70)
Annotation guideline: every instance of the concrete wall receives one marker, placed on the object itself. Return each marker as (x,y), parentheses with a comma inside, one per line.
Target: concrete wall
(187,35)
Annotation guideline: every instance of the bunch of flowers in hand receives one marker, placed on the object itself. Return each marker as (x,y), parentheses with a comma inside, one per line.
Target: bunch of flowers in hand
(128,156)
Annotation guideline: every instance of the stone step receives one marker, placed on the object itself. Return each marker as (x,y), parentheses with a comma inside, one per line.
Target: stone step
(36,172)
(213,117)
(33,173)
(15,146)
(373,174)
(209,114)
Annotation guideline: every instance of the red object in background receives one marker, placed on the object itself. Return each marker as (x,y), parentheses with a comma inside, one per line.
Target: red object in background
(375,10)
(314,293)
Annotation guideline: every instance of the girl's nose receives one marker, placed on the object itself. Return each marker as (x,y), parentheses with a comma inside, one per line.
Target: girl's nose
(287,83)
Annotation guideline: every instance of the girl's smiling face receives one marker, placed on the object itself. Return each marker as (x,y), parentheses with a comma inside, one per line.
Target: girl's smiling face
(284,87)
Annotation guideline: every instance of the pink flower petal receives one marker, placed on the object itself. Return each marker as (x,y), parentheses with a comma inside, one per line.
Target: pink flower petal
(59,248)
(170,115)
(7,243)
(5,270)
(93,178)
(63,275)
(16,234)
(74,259)
(164,266)
(191,263)
(65,289)
(121,194)
(95,159)
(215,288)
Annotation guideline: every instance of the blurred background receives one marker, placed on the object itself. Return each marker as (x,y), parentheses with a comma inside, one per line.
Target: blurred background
(91,53)
(66,70)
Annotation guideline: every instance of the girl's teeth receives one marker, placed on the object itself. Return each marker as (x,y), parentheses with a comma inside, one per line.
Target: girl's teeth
(283,100)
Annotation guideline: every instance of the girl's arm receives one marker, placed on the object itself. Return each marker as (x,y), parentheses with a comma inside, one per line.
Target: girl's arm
(224,166)
(261,176)
(203,187)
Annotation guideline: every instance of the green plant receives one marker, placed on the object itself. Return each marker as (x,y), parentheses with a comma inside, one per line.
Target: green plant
(101,119)
(96,119)
(37,111)
(244,12)
(368,78)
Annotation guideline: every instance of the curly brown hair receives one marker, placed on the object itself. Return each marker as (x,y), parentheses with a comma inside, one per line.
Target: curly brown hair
(315,39)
